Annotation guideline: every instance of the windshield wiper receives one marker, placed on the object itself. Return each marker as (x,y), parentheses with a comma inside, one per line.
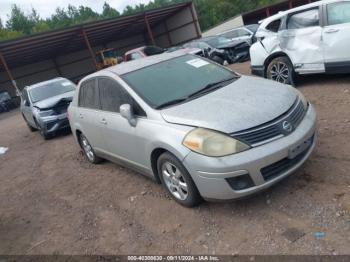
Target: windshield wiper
(172,102)
(212,86)
(207,88)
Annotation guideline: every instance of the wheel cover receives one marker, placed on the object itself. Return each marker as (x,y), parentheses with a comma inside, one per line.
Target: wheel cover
(174,181)
(87,148)
(280,72)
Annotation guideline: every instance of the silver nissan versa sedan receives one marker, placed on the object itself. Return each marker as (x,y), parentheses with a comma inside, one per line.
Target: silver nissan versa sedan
(200,129)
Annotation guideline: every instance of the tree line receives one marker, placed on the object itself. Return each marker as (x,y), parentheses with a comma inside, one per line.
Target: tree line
(210,13)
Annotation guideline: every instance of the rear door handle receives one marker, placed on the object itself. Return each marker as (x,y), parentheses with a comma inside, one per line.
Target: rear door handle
(103,121)
(331,30)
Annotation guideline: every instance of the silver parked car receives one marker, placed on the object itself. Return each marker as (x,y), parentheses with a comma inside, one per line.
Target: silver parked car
(44,105)
(197,127)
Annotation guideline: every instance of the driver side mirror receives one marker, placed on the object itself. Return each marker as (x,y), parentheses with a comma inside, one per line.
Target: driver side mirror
(127,112)
(26,103)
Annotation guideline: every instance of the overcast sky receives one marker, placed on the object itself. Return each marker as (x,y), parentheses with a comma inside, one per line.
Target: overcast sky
(46,7)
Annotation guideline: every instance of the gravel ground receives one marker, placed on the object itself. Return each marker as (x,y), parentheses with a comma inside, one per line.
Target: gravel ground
(52,201)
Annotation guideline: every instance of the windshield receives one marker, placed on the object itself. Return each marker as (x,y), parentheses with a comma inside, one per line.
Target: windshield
(109,54)
(253,27)
(217,41)
(175,79)
(51,89)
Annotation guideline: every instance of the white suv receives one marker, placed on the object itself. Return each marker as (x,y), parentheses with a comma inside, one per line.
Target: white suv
(313,38)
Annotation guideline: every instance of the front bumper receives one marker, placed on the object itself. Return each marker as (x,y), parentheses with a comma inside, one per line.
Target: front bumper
(210,174)
(54,123)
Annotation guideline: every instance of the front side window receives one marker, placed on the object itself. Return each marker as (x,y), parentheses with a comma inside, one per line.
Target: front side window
(88,95)
(274,26)
(175,79)
(51,89)
(304,19)
(338,13)
(113,95)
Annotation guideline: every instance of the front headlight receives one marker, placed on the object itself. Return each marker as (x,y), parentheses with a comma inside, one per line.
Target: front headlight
(212,143)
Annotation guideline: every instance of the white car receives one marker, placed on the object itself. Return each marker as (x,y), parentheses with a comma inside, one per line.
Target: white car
(310,39)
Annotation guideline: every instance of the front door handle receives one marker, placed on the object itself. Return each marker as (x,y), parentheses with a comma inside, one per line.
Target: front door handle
(103,121)
(331,30)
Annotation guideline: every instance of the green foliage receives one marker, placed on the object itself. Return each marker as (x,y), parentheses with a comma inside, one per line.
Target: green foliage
(108,11)
(210,13)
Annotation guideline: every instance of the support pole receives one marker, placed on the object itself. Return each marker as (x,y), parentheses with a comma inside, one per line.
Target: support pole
(150,34)
(92,54)
(3,61)
(195,22)
(267,12)
(290,4)
(168,33)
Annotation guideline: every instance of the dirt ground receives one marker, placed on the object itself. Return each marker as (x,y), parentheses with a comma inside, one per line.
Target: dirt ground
(52,201)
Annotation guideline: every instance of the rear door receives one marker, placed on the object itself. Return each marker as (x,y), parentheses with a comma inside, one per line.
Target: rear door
(122,139)
(89,113)
(336,37)
(302,40)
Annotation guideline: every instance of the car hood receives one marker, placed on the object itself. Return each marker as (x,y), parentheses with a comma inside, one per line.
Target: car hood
(231,44)
(245,103)
(53,101)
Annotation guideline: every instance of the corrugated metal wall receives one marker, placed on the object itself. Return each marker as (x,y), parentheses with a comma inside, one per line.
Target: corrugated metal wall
(74,66)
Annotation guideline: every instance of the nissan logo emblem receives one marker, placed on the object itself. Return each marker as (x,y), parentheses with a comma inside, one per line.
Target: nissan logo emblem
(287,126)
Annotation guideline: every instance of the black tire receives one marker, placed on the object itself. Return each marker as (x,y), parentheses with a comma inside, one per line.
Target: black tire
(280,69)
(193,197)
(91,156)
(218,60)
(45,135)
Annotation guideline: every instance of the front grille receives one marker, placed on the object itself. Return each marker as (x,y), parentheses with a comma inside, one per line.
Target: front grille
(273,129)
(274,170)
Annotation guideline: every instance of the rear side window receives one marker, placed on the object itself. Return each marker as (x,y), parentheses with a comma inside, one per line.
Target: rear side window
(338,13)
(304,19)
(113,95)
(274,26)
(88,95)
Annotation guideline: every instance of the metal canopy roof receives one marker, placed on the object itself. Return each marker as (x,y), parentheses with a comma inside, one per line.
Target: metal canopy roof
(38,47)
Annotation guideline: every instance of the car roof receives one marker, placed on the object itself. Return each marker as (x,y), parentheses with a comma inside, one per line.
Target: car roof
(46,82)
(137,64)
(296,9)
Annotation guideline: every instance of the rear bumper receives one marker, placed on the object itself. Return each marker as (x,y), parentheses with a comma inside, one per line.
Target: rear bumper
(211,174)
(258,70)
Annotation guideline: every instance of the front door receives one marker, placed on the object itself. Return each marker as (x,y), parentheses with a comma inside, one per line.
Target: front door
(302,41)
(336,37)
(121,138)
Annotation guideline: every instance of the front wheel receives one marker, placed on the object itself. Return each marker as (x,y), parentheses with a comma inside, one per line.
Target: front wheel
(281,70)
(177,181)
(88,150)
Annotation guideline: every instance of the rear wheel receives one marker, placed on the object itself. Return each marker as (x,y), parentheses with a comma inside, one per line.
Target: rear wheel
(88,150)
(281,70)
(177,181)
